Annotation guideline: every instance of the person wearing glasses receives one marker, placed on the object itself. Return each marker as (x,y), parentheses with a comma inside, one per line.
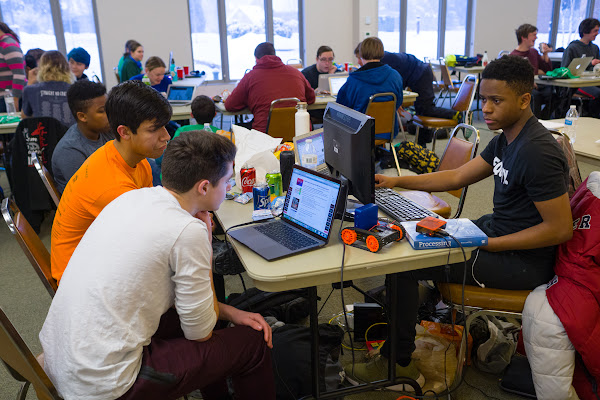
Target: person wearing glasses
(324,65)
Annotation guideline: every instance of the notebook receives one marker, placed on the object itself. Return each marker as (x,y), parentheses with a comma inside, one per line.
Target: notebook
(578,65)
(180,95)
(306,220)
(317,141)
(336,83)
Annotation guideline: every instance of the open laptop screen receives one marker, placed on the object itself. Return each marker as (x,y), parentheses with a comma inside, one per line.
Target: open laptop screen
(336,84)
(310,202)
(317,141)
(184,93)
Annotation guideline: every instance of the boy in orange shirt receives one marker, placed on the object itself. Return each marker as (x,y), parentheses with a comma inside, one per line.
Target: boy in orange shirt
(137,115)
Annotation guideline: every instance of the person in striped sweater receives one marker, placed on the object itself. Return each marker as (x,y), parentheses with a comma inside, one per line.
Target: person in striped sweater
(12,73)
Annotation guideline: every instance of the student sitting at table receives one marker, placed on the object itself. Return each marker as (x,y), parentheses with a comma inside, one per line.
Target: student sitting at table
(373,77)
(48,97)
(155,75)
(87,102)
(137,115)
(588,30)
(542,94)
(79,61)
(531,207)
(203,111)
(135,315)
(132,60)
(324,65)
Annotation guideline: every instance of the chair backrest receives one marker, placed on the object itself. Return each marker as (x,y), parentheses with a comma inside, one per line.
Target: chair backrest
(457,153)
(567,148)
(384,112)
(446,76)
(116,71)
(30,242)
(295,62)
(282,120)
(503,53)
(46,178)
(466,94)
(21,363)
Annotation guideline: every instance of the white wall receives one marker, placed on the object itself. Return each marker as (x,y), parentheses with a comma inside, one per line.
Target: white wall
(160,27)
(496,22)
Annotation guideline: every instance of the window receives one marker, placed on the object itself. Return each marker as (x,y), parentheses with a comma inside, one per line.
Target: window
(456,27)
(226,32)
(389,25)
(80,31)
(544,21)
(32,21)
(422,28)
(572,12)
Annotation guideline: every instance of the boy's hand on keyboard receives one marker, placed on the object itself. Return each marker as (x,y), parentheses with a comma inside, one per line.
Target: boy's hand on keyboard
(384,181)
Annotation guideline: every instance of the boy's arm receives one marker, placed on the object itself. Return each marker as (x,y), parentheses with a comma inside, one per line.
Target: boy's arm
(473,171)
(237,100)
(556,227)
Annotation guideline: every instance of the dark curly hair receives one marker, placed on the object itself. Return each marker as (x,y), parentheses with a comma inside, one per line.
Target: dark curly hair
(587,25)
(516,71)
(81,94)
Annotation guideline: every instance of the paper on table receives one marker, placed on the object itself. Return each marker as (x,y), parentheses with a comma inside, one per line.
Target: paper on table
(552,124)
(251,144)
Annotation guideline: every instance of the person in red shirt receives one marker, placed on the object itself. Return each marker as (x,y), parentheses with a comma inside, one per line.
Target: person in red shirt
(270,79)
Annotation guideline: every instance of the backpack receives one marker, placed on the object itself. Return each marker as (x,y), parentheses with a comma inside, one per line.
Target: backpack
(290,306)
(420,159)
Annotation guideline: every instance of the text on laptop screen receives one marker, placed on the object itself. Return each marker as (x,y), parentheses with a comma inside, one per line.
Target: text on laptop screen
(317,141)
(337,83)
(310,202)
(181,93)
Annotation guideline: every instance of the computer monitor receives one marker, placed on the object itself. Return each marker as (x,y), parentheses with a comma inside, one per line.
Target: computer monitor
(349,141)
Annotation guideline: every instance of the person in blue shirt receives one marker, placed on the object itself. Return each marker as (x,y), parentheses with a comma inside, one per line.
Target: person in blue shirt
(373,77)
(155,75)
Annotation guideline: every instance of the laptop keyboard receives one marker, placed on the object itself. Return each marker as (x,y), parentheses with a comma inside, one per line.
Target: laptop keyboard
(399,207)
(285,235)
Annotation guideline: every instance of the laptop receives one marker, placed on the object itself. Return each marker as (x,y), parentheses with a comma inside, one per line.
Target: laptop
(336,83)
(324,80)
(180,95)
(306,220)
(317,141)
(579,65)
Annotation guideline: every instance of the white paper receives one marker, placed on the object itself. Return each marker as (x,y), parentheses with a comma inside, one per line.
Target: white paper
(552,124)
(255,148)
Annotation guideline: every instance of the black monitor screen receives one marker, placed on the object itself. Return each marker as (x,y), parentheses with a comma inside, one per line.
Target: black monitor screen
(349,141)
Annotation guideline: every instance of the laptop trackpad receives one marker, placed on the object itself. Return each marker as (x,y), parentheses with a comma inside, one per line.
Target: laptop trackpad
(259,243)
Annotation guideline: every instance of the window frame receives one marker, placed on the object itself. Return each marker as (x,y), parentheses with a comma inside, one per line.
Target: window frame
(59,31)
(269,34)
(553,34)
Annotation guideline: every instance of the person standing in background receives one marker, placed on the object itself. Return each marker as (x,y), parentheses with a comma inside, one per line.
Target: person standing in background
(12,73)
(132,63)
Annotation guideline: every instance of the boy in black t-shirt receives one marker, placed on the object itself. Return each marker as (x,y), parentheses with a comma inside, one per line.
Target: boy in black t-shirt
(531,206)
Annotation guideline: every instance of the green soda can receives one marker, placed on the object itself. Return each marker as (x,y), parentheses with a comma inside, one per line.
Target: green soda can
(273,179)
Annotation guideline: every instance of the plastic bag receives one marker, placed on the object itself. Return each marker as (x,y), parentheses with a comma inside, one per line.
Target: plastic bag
(435,357)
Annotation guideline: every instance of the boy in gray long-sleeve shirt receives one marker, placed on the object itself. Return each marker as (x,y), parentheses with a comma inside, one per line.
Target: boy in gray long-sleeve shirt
(90,132)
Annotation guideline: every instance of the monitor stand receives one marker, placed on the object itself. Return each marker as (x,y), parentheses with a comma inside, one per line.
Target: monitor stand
(351,204)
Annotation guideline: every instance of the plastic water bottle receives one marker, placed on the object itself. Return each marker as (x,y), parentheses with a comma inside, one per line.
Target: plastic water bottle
(302,119)
(309,155)
(173,70)
(485,59)
(9,100)
(571,123)
(207,127)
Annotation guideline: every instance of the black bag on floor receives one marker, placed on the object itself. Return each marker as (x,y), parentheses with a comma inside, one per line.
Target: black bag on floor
(517,377)
(291,360)
(290,306)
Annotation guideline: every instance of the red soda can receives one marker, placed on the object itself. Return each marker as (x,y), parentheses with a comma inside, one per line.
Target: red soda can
(248,178)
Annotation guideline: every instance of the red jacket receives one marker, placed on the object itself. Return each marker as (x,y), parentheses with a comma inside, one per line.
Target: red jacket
(270,79)
(574,294)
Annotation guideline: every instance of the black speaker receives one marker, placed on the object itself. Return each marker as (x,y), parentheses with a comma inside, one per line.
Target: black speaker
(287,160)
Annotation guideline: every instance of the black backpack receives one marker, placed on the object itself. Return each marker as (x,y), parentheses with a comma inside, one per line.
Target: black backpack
(290,306)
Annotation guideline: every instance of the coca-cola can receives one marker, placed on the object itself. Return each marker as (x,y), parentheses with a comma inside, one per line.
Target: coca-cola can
(248,178)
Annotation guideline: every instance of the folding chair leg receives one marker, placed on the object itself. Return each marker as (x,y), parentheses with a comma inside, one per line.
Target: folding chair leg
(22,395)
(396,160)
(417,134)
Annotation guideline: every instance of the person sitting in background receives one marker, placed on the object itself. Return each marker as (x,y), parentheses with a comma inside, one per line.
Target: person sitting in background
(12,73)
(126,54)
(155,74)
(588,30)
(91,131)
(132,61)
(32,59)
(135,315)
(324,65)
(79,61)
(542,95)
(418,76)
(48,97)
(137,115)
(203,111)
(270,79)
(373,77)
